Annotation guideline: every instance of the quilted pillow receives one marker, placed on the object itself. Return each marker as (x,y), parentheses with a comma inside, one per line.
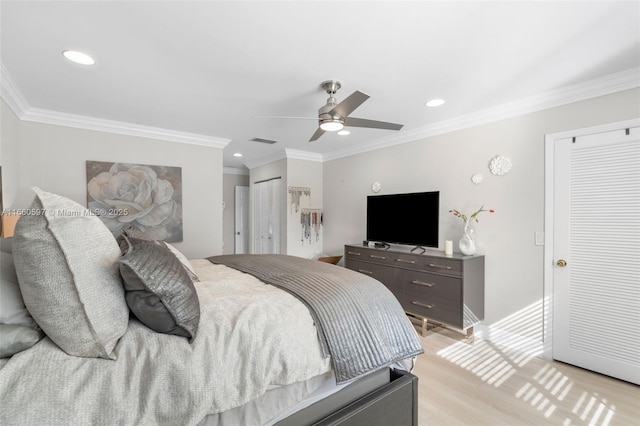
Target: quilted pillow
(159,291)
(65,260)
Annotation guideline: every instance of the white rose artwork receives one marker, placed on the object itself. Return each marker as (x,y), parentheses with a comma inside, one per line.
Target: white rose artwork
(145,200)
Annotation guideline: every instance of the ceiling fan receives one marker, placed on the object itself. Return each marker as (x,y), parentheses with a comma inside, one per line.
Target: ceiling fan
(334,116)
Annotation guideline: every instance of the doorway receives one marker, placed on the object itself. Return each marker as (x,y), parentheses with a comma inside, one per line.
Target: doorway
(592,248)
(241,223)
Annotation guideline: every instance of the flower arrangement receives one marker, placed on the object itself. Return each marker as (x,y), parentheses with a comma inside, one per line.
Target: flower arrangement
(474,215)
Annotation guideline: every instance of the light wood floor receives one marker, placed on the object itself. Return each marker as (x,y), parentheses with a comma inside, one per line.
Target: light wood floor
(479,383)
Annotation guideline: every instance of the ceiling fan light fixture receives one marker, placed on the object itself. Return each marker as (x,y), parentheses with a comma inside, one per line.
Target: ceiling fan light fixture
(331,125)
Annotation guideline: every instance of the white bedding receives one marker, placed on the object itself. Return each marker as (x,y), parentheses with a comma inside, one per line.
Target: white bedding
(251,337)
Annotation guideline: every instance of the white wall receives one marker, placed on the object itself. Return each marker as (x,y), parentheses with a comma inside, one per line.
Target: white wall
(53,158)
(303,173)
(9,154)
(514,269)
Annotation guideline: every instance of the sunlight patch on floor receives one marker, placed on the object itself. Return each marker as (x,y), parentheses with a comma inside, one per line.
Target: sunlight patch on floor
(510,343)
(552,387)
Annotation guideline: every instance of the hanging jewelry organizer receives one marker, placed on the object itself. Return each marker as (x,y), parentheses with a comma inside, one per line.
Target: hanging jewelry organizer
(311,221)
(298,192)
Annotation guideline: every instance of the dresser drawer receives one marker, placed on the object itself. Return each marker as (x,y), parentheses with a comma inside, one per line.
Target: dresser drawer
(382,273)
(373,255)
(439,309)
(443,266)
(432,285)
(411,261)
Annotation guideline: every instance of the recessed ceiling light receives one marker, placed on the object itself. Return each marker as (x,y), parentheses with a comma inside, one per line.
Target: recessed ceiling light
(344,132)
(435,102)
(237,154)
(78,57)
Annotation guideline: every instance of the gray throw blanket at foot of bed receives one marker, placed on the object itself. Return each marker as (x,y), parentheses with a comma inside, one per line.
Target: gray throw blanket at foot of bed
(361,325)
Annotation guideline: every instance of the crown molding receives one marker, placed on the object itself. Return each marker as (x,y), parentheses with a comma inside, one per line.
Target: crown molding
(612,83)
(16,100)
(43,116)
(303,155)
(11,94)
(285,154)
(269,158)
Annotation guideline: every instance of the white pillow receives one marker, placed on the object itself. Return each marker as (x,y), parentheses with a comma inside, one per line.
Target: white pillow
(65,259)
(12,309)
(16,338)
(183,259)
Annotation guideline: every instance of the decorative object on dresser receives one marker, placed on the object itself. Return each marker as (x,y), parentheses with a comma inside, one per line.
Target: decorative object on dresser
(467,243)
(429,286)
(145,200)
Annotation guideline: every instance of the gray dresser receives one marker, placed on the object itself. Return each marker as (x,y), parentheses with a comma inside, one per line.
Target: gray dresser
(429,286)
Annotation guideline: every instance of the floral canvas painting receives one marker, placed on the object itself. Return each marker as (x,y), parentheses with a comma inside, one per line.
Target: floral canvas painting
(144,200)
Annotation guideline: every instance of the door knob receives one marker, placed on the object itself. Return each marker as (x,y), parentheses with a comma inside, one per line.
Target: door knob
(561,263)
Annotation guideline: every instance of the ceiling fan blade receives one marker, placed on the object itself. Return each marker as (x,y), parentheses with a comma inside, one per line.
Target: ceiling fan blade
(278,116)
(317,135)
(348,105)
(373,124)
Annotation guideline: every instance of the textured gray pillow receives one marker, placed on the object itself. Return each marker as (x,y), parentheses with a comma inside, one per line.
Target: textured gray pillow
(159,291)
(65,259)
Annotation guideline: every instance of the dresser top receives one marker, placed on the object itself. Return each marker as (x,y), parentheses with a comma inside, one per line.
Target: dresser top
(428,252)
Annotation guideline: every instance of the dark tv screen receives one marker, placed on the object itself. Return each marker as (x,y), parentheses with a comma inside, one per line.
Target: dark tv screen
(411,219)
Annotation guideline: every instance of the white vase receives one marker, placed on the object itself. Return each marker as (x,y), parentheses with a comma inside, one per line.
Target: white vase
(467,243)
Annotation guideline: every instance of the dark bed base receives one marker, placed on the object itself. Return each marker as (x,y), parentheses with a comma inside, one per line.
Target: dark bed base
(387,397)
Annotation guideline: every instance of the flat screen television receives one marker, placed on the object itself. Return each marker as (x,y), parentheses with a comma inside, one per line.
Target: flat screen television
(411,219)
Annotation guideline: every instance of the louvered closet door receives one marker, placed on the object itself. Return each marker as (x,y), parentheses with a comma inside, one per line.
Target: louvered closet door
(596,295)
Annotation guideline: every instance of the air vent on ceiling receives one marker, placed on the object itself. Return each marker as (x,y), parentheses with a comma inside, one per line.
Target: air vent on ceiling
(261,140)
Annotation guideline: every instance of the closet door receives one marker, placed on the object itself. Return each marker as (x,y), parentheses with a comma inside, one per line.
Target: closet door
(266,216)
(274,216)
(596,250)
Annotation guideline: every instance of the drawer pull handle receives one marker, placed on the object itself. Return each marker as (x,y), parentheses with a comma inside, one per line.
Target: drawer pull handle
(424,305)
(433,265)
(406,261)
(364,271)
(377,257)
(355,253)
(422,283)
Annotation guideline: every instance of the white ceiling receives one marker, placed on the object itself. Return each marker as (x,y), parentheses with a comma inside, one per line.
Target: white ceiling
(208,67)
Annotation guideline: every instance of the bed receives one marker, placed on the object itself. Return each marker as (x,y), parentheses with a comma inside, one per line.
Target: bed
(235,340)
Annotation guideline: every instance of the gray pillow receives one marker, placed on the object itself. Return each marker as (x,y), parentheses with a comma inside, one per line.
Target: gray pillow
(65,260)
(16,338)
(159,291)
